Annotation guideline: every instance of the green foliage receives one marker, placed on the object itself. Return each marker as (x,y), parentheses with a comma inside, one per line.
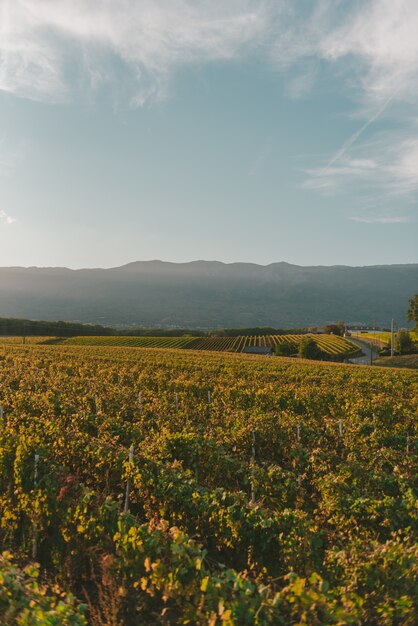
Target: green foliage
(308,349)
(24,601)
(403,341)
(285,349)
(22,328)
(412,315)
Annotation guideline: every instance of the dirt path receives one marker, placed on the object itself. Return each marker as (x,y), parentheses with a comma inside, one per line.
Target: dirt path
(368,352)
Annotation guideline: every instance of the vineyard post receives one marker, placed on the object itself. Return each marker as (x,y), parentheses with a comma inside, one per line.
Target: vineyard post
(35,528)
(96,398)
(128,481)
(392,337)
(298,438)
(1,414)
(340,427)
(140,400)
(253,467)
(209,398)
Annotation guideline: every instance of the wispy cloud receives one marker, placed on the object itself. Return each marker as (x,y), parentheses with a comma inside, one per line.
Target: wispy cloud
(5,218)
(388,163)
(391,219)
(42,41)
(373,42)
(373,46)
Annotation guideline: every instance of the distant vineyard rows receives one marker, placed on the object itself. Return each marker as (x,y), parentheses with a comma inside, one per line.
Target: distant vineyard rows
(330,344)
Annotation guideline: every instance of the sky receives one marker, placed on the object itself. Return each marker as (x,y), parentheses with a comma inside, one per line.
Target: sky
(246,130)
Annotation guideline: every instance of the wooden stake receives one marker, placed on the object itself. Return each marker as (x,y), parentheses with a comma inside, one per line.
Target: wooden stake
(253,468)
(128,482)
(35,528)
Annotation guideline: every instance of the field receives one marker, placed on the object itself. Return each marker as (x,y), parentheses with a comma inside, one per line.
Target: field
(175,487)
(381,338)
(404,360)
(6,341)
(330,344)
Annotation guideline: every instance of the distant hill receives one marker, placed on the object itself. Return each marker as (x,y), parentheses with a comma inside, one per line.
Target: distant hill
(205,294)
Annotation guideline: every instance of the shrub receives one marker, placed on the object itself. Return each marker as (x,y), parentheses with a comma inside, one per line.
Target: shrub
(308,349)
(285,349)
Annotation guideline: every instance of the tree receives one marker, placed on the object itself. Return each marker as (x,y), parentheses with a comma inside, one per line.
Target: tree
(334,329)
(412,315)
(285,349)
(308,349)
(403,341)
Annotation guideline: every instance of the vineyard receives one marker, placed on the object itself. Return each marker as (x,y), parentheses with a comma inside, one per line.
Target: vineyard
(175,487)
(329,344)
(6,341)
(381,338)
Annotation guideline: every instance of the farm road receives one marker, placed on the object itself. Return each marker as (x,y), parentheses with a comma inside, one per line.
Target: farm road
(369,353)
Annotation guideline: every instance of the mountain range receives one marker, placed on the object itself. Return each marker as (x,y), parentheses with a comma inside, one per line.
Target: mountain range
(210,294)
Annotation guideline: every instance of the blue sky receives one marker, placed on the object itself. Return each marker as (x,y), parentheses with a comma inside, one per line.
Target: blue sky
(245,130)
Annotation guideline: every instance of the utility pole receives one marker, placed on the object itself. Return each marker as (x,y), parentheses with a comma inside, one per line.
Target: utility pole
(373,343)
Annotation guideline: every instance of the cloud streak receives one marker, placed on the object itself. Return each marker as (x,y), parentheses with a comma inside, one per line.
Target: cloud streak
(389,163)
(393,219)
(5,218)
(355,136)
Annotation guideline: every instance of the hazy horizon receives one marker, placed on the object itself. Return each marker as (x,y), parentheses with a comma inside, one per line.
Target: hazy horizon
(163,261)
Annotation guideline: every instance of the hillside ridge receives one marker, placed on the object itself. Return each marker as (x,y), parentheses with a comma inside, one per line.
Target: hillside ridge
(208,294)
